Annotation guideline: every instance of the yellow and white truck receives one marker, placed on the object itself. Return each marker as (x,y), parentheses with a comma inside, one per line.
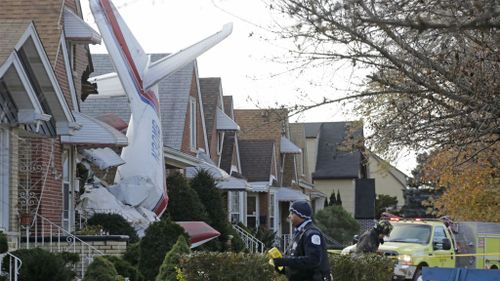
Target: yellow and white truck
(417,243)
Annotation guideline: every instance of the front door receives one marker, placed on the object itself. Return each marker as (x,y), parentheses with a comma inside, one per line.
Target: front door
(252,211)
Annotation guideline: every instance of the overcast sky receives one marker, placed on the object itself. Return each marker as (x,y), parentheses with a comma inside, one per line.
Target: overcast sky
(244,60)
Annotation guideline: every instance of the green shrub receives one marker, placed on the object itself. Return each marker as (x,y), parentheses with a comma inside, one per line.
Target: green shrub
(184,203)
(114,224)
(337,223)
(226,266)
(4,245)
(125,269)
(368,267)
(101,269)
(132,254)
(204,184)
(171,261)
(40,265)
(158,240)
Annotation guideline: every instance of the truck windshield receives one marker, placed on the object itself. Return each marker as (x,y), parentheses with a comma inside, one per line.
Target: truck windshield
(410,233)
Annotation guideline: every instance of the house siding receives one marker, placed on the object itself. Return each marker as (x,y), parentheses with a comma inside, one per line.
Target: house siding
(385,181)
(346,188)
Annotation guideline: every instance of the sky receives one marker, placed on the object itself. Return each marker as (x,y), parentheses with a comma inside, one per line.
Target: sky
(249,61)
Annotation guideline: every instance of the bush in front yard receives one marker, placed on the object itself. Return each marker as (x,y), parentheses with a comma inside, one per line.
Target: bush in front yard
(125,269)
(132,254)
(227,266)
(115,225)
(101,269)
(368,267)
(41,265)
(171,261)
(159,238)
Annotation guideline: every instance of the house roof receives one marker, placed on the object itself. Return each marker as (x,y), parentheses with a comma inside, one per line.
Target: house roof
(333,160)
(228,105)
(210,95)
(287,146)
(76,29)
(224,122)
(94,132)
(256,159)
(173,94)
(312,129)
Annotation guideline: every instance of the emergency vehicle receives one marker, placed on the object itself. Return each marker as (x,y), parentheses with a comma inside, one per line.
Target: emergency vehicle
(417,243)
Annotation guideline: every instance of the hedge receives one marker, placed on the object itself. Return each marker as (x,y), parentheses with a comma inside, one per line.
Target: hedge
(227,266)
(115,225)
(184,203)
(211,266)
(125,269)
(41,265)
(368,267)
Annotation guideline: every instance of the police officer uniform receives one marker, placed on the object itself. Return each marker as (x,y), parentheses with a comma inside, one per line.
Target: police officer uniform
(307,258)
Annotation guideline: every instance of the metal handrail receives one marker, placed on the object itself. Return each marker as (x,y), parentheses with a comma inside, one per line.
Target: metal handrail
(251,242)
(60,240)
(15,264)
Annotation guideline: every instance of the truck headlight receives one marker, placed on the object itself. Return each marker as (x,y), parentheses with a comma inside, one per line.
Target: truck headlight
(405,259)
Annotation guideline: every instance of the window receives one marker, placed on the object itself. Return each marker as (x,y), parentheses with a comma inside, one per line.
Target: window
(220,142)
(192,123)
(252,211)
(234,206)
(271,212)
(68,211)
(4,179)
(439,235)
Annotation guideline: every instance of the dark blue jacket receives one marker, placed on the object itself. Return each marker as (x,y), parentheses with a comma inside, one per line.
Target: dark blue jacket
(308,258)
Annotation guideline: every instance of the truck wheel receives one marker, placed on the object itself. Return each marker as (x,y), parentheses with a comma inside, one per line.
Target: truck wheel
(418,275)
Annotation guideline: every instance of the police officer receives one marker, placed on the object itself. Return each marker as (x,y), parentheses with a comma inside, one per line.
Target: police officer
(371,239)
(307,259)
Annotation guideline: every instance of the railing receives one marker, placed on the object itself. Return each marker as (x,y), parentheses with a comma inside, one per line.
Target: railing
(253,244)
(49,236)
(13,266)
(287,240)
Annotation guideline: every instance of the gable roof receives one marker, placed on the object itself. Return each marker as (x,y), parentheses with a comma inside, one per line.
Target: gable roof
(256,159)
(312,129)
(210,95)
(333,161)
(173,94)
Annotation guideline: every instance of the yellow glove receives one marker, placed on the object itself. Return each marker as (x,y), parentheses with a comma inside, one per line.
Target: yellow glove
(273,254)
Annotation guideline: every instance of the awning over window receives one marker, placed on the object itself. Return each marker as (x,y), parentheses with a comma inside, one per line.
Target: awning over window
(288,194)
(234,184)
(94,132)
(287,146)
(216,172)
(76,29)
(103,157)
(199,232)
(225,123)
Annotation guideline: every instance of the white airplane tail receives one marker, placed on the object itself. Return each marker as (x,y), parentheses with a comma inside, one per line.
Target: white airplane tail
(144,154)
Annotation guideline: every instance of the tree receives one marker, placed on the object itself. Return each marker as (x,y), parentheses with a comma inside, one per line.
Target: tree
(159,238)
(333,200)
(184,203)
(434,72)
(471,187)
(337,223)
(383,203)
(204,184)
(171,261)
(339,200)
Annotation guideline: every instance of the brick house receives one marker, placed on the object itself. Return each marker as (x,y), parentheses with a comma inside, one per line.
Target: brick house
(44,62)
(269,163)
